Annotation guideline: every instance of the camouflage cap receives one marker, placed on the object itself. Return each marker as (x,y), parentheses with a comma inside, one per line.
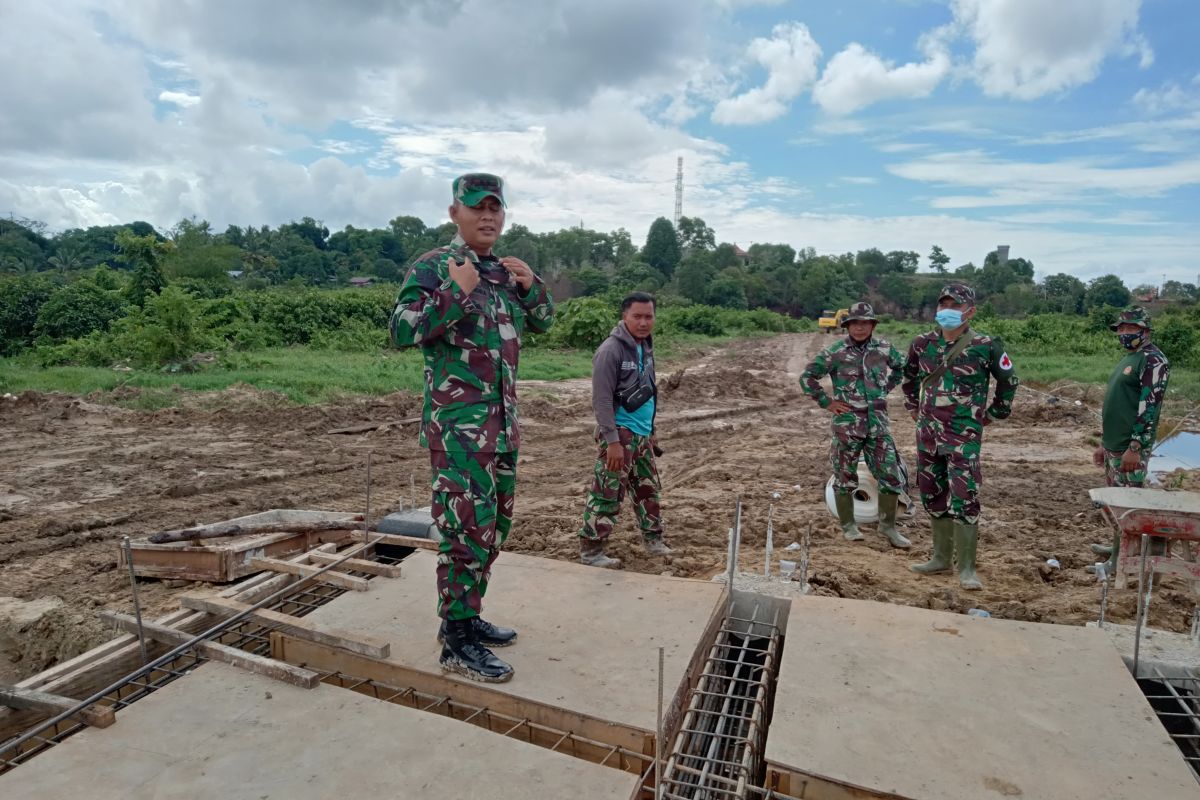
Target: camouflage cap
(470,189)
(1135,315)
(959,293)
(860,311)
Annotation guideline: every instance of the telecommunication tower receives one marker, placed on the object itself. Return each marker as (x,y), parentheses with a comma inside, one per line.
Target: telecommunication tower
(678,191)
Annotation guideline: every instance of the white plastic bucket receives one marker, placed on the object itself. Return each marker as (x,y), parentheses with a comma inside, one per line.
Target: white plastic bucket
(866,498)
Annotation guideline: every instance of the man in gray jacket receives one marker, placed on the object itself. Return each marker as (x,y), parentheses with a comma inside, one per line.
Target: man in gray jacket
(623,399)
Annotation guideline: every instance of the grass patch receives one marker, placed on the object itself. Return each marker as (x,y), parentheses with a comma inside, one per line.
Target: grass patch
(303,375)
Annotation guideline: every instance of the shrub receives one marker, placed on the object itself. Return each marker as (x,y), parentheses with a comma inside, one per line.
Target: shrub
(582,322)
(76,310)
(21,300)
(705,320)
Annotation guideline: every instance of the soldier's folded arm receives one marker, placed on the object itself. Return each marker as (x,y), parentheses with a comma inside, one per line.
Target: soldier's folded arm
(1006,382)
(428,305)
(539,306)
(912,376)
(810,381)
(1155,375)
(895,369)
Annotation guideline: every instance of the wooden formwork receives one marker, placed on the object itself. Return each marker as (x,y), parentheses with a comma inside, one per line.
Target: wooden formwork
(226,560)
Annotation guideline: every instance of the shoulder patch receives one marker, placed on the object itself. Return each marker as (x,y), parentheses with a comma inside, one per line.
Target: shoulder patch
(1005,361)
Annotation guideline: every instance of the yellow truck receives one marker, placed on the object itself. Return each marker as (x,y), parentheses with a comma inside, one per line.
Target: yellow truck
(831,321)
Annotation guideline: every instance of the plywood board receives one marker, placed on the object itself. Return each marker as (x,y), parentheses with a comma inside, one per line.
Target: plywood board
(224,733)
(930,705)
(588,638)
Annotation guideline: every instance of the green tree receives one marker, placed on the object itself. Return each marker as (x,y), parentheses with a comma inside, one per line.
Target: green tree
(693,275)
(589,281)
(727,290)
(871,263)
(1175,290)
(903,261)
(144,254)
(1064,293)
(769,257)
(938,260)
(20,301)
(694,234)
(662,249)
(1107,290)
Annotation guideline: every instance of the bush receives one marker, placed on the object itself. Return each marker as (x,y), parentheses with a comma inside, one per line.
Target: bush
(20,302)
(705,320)
(76,310)
(582,322)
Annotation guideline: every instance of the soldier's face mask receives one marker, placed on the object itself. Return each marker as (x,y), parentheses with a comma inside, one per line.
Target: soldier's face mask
(949,318)
(1132,341)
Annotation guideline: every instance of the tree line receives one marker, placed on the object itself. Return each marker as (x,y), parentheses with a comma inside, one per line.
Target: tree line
(683,265)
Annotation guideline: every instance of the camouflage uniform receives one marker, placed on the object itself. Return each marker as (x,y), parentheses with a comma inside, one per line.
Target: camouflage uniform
(951,413)
(608,489)
(1135,394)
(471,345)
(862,376)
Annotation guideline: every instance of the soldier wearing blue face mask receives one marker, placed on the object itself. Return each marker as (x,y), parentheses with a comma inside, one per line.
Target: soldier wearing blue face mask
(946,379)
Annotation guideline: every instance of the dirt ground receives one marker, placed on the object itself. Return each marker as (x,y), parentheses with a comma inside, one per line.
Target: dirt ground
(79,473)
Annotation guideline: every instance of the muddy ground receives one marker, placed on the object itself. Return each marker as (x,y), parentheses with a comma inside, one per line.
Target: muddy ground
(79,473)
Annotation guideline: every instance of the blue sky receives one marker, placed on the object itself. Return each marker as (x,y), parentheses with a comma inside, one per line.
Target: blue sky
(1068,130)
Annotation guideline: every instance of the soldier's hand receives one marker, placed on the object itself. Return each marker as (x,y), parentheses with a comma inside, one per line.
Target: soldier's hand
(464,274)
(1130,461)
(1098,456)
(614,456)
(839,407)
(519,270)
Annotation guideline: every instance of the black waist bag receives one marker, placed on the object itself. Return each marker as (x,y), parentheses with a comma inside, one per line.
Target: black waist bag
(637,395)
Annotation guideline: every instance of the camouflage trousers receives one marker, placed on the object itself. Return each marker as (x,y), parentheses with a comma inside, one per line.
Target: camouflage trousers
(473,496)
(948,475)
(640,479)
(871,442)
(1113,475)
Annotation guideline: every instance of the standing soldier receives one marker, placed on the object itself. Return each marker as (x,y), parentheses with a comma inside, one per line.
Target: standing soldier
(863,371)
(624,394)
(466,309)
(1129,423)
(946,377)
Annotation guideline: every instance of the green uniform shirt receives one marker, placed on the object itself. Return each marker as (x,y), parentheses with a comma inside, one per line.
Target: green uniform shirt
(1135,394)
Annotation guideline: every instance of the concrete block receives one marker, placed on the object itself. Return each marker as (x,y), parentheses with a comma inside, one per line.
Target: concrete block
(416,522)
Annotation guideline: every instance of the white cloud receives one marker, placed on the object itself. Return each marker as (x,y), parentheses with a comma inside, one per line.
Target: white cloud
(1029,48)
(1169,97)
(856,78)
(790,59)
(182,99)
(860,180)
(1008,182)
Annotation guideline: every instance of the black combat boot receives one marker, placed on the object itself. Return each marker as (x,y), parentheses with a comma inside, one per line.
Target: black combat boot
(462,653)
(486,633)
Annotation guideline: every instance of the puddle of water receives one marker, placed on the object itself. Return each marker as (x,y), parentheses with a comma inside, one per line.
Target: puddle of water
(1180,450)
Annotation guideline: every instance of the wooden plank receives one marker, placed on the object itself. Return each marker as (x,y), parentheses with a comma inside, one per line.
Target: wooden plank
(810,787)
(395,539)
(329,659)
(363,644)
(330,577)
(226,529)
(94,715)
(358,565)
(296,676)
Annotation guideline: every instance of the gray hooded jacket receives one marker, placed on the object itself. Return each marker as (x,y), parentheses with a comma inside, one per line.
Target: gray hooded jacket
(615,369)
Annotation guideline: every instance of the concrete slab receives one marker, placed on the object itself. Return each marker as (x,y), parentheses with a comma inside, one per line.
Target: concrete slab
(589,638)
(936,706)
(221,732)
(1163,654)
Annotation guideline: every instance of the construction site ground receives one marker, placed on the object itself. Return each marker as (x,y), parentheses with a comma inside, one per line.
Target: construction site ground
(79,473)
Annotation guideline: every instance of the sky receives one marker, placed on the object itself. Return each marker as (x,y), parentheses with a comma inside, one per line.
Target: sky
(1068,130)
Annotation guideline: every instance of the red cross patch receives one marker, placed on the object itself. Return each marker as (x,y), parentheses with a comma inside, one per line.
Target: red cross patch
(1005,361)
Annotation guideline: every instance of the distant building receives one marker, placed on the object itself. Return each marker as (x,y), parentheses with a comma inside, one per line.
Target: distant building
(361,282)
(236,274)
(742,255)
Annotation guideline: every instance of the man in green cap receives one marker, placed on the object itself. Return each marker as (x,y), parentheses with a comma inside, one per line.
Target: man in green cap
(863,371)
(467,309)
(946,379)
(1132,403)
